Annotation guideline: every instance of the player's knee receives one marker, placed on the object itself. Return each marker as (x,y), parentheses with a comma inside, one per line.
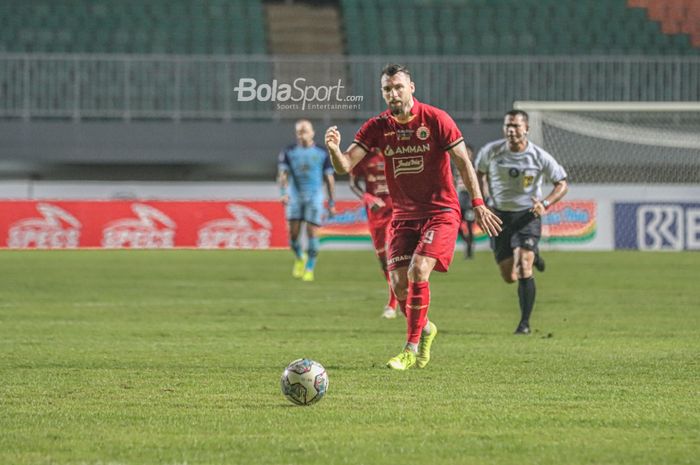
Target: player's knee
(525,265)
(419,270)
(524,271)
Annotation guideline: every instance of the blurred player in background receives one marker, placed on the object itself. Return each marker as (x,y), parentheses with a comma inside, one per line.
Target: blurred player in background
(466,227)
(368,182)
(302,170)
(415,139)
(511,171)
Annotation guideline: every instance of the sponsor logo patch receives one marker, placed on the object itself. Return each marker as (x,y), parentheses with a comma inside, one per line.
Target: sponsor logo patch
(399,258)
(404,134)
(389,151)
(408,165)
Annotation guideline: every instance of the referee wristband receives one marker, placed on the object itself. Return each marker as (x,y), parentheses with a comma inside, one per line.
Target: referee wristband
(477,202)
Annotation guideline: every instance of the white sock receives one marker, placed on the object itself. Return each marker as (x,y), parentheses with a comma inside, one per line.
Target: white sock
(426,328)
(412,347)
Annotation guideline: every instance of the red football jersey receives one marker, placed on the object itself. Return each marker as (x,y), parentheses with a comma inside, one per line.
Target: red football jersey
(417,164)
(371,169)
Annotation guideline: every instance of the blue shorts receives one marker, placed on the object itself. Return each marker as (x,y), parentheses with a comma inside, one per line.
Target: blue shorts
(309,210)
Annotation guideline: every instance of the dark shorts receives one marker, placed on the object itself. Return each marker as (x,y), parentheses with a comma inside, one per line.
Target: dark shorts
(526,237)
(432,237)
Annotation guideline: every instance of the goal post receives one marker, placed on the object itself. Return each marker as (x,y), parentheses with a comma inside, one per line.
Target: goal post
(620,142)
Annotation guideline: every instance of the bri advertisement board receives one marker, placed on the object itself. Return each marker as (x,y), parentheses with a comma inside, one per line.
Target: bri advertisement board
(669,226)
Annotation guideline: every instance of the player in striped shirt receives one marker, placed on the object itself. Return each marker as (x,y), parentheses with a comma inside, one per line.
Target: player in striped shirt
(418,141)
(512,170)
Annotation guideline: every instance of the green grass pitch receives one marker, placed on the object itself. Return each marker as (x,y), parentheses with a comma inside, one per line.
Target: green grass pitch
(174,357)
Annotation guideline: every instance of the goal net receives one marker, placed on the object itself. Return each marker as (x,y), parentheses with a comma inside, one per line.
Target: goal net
(620,142)
(639,162)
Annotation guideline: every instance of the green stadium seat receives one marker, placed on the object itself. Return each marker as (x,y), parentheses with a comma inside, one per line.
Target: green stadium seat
(506,27)
(131,26)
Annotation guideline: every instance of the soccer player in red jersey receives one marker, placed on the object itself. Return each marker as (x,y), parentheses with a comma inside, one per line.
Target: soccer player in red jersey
(368,182)
(417,141)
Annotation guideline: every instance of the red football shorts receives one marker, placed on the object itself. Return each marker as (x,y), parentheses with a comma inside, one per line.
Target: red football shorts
(432,237)
(379,224)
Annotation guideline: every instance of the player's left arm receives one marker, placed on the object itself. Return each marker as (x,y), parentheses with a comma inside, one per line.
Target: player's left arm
(329,180)
(487,220)
(539,207)
(283,182)
(557,174)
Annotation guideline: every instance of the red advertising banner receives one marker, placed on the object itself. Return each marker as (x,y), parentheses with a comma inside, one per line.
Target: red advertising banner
(212,224)
(142,224)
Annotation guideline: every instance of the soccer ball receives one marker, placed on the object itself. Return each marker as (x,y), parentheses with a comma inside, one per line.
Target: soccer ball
(304,382)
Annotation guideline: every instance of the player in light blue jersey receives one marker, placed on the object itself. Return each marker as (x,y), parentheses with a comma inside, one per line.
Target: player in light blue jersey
(512,170)
(303,169)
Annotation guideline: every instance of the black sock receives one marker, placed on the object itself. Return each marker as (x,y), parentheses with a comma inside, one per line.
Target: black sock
(526,295)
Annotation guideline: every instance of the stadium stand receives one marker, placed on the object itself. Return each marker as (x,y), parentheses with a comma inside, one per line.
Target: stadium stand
(133,26)
(675,16)
(536,27)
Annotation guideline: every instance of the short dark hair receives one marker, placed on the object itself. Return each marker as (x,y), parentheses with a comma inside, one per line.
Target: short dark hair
(392,68)
(522,113)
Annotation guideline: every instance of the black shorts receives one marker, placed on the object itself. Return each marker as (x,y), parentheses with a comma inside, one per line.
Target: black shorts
(526,237)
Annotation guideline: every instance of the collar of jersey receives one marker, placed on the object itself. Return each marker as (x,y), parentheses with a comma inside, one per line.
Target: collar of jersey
(525,150)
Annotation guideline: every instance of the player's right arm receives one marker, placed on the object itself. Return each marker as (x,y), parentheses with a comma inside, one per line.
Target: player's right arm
(283,182)
(343,162)
(283,176)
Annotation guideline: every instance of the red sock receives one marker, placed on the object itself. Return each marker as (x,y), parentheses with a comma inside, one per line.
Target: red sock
(392,297)
(416,309)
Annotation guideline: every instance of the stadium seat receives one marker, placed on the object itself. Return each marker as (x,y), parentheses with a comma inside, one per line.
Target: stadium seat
(133,26)
(508,27)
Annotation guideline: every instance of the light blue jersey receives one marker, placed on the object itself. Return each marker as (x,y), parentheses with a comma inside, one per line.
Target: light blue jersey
(306,168)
